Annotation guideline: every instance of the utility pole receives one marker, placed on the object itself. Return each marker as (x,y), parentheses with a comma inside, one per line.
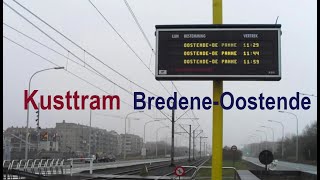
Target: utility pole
(193,145)
(90,135)
(165,148)
(189,133)
(194,138)
(200,147)
(38,127)
(189,142)
(193,142)
(172,139)
(217,111)
(200,143)
(205,149)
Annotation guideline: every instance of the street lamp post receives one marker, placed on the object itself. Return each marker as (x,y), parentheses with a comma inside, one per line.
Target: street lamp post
(125,133)
(266,137)
(282,148)
(144,133)
(297,142)
(272,137)
(257,135)
(258,144)
(157,138)
(308,94)
(144,130)
(27,127)
(250,140)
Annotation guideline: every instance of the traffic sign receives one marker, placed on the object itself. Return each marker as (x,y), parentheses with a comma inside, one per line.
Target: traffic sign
(179,171)
(266,157)
(233,148)
(218,52)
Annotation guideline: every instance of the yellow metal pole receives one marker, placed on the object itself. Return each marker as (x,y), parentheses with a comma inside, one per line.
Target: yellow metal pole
(217,117)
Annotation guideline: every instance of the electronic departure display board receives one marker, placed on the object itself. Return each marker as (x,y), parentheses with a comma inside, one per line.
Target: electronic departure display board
(218,52)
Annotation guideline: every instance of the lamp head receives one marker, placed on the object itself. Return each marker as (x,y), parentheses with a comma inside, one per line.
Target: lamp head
(59,68)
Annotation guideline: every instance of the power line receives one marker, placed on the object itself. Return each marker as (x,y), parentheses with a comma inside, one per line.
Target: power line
(78,47)
(39,43)
(127,44)
(81,49)
(81,59)
(69,41)
(145,37)
(58,65)
(66,48)
(138,24)
(51,62)
(92,71)
(148,42)
(27,49)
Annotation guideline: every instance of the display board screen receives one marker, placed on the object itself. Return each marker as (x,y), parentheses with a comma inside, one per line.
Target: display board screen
(218,52)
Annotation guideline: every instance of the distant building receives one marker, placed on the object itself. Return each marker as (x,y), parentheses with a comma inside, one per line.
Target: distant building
(48,146)
(6,147)
(104,142)
(133,144)
(75,138)
(65,140)
(18,134)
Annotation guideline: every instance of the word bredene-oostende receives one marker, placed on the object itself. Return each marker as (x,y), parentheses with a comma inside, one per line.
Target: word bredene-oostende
(142,102)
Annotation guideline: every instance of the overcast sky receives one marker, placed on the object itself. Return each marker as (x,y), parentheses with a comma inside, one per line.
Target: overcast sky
(81,23)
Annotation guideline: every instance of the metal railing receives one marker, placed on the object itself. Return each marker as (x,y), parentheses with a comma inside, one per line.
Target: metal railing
(19,168)
(81,159)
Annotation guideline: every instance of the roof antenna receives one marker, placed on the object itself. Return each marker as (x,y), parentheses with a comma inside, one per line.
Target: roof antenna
(277,19)
(277,22)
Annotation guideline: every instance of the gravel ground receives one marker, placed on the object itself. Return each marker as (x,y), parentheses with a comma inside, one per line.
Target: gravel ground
(156,172)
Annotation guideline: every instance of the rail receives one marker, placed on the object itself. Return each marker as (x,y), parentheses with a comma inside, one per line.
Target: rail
(236,176)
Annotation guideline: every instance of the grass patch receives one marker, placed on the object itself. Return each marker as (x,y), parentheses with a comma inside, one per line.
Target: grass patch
(239,165)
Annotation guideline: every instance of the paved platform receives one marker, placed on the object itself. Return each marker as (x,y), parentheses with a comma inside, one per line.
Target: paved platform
(77,168)
(246,175)
(286,166)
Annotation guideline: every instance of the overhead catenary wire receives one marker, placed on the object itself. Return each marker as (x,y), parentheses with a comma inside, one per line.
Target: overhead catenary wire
(148,42)
(67,57)
(55,63)
(69,41)
(46,59)
(51,62)
(80,47)
(127,44)
(75,45)
(66,48)
(33,39)
(145,37)
(139,26)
